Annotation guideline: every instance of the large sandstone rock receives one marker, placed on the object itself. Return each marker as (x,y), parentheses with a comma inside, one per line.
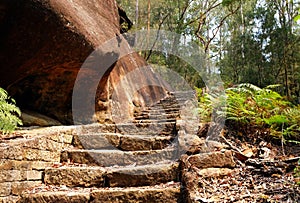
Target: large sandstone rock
(43,46)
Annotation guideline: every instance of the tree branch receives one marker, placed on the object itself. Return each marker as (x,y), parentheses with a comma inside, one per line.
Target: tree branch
(159,27)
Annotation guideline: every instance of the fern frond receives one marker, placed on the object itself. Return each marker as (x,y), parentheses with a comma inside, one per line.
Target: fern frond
(9,113)
(273,86)
(249,86)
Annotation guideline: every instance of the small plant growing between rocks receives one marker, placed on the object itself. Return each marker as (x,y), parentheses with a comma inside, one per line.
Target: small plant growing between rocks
(9,113)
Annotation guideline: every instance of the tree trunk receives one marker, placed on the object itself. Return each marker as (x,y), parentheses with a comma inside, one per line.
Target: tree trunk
(136,13)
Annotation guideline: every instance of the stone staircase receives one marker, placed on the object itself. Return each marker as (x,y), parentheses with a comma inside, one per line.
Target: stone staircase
(135,161)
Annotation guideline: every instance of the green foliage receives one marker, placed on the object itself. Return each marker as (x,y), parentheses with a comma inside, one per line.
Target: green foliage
(297,17)
(247,104)
(9,113)
(297,173)
(205,105)
(264,48)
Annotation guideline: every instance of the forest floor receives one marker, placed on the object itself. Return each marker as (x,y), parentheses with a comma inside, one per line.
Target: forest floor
(265,171)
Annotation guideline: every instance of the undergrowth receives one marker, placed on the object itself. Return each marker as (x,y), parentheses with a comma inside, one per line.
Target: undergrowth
(9,113)
(261,108)
(297,173)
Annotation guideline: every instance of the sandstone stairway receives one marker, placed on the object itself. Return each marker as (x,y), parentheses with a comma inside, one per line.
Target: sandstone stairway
(126,162)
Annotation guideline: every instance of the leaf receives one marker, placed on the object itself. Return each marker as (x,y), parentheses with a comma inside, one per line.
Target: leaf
(276,119)
(297,18)
(9,113)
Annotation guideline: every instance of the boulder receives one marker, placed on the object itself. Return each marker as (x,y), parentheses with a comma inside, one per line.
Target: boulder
(211,160)
(44,44)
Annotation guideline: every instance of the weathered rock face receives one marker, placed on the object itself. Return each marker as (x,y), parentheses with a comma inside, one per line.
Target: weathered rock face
(43,46)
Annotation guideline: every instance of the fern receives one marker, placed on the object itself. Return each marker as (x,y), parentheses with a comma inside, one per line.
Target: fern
(261,107)
(9,113)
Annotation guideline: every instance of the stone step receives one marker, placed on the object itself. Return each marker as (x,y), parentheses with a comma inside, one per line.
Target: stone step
(152,121)
(108,158)
(133,176)
(147,115)
(122,142)
(158,194)
(163,128)
(129,128)
(162,109)
(165,193)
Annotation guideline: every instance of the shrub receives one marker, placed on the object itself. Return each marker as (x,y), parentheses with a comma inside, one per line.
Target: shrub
(247,104)
(9,113)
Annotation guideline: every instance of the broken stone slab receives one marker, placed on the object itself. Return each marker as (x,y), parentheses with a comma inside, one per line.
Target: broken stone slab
(118,157)
(212,160)
(159,194)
